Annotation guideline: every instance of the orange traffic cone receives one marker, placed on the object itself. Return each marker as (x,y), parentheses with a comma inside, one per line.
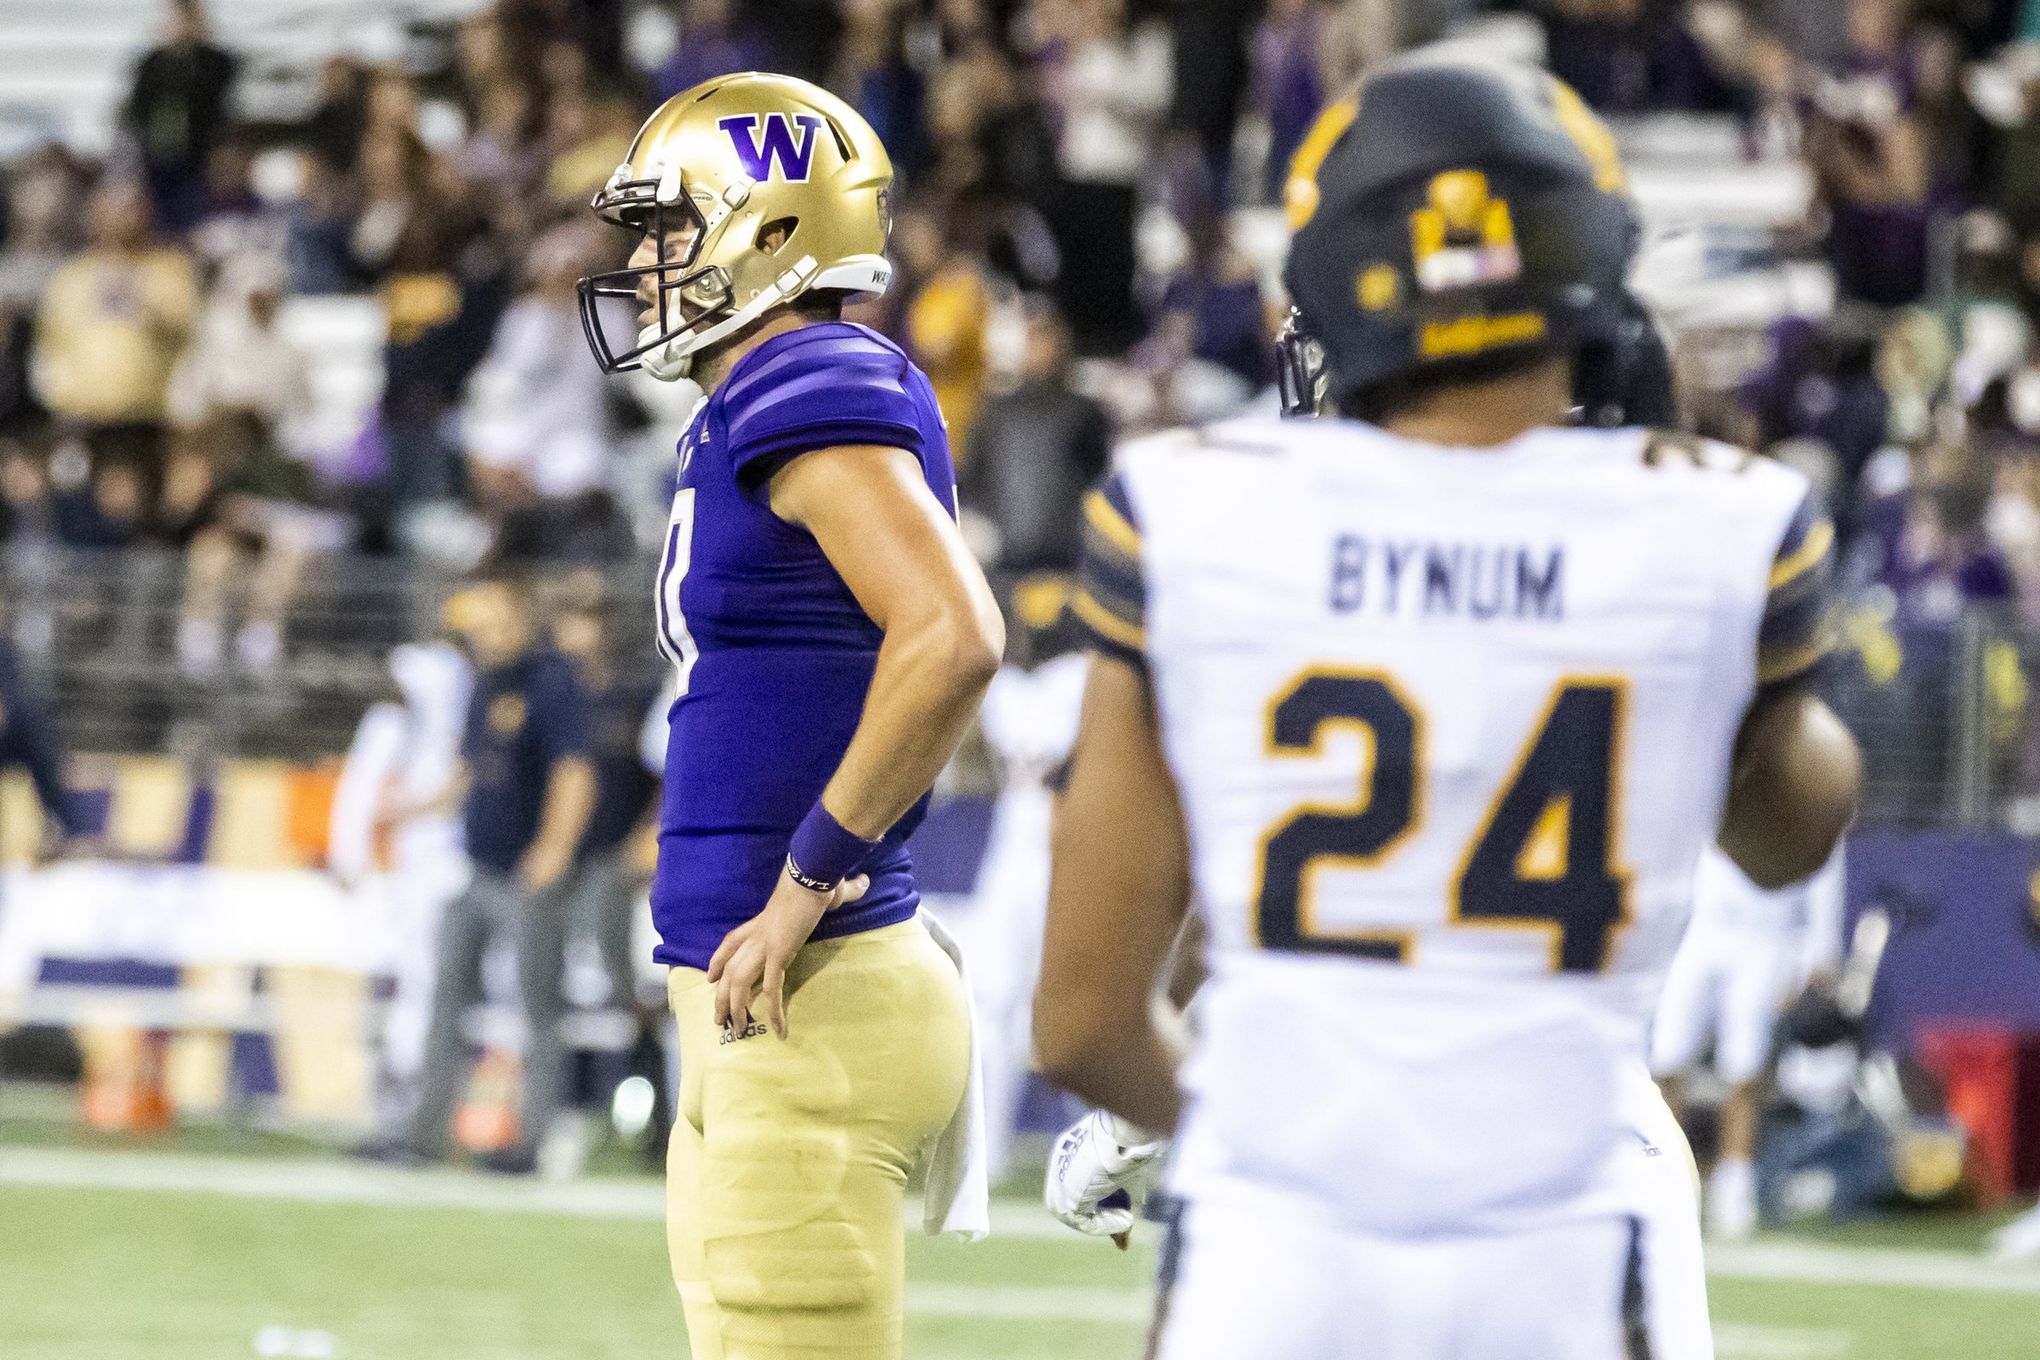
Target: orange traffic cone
(487,1120)
(123,1090)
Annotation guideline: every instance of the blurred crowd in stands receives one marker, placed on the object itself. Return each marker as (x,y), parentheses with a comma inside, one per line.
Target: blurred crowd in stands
(1071,265)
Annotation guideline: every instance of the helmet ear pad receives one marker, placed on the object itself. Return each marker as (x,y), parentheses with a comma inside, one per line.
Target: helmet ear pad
(1366,296)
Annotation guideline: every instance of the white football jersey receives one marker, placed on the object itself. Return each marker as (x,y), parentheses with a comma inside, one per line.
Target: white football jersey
(1450,729)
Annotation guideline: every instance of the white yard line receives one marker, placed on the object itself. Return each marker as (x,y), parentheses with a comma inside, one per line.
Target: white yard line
(1734,1341)
(1029,1302)
(322,1182)
(1808,1263)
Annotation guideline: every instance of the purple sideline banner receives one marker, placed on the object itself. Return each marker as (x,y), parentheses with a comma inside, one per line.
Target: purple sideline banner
(1965,947)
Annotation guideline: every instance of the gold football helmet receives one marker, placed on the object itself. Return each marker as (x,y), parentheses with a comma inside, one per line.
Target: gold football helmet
(787,190)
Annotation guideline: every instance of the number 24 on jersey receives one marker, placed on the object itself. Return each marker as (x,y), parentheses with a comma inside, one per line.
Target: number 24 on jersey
(1544,858)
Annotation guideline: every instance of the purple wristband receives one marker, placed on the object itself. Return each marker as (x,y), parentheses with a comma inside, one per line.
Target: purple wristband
(822,854)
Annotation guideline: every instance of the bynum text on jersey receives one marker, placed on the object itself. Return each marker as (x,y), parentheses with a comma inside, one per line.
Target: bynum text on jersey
(1412,578)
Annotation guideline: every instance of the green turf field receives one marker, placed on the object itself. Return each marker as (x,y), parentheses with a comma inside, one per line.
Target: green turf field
(108,1255)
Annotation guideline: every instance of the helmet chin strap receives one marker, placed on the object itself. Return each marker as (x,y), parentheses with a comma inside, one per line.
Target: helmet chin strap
(674,360)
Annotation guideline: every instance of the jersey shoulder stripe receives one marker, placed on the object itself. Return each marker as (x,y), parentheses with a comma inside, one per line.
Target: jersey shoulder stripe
(1797,631)
(1109,601)
(822,386)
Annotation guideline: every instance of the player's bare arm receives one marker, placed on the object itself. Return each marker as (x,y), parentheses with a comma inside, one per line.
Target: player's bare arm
(1102,1167)
(1119,891)
(897,549)
(1793,791)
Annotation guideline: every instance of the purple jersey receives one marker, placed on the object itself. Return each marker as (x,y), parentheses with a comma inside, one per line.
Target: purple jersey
(774,653)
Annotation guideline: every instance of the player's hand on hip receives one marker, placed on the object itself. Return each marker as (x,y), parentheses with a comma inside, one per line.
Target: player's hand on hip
(749,966)
(1100,1158)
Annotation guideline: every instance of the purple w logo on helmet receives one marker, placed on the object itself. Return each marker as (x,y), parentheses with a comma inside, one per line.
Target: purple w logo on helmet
(777,146)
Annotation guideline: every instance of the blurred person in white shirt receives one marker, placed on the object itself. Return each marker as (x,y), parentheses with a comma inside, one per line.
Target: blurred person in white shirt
(536,423)
(396,838)
(238,401)
(1747,953)
(1112,87)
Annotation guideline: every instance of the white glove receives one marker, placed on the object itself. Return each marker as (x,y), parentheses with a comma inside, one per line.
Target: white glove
(1100,1157)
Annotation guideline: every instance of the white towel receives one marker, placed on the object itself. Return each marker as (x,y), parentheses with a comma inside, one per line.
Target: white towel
(958,1196)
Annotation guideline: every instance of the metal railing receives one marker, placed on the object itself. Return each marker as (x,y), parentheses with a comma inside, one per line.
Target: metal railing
(98,629)
(1948,715)
(1948,712)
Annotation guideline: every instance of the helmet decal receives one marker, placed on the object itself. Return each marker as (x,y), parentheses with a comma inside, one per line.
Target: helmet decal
(1379,287)
(1300,194)
(1591,136)
(1478,333)
(1463,235)
(776,148)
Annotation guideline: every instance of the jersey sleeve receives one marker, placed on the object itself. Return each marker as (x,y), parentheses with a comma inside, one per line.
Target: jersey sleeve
(1109,602)
(1798,627)
(820,394)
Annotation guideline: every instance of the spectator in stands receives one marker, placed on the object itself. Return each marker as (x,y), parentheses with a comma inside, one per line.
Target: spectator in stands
(1292,81)
(1628,56)
(247,513)
(916,251)
(235,220)
(1820,384)
(965,96)
(1868,151)
(31,253)
(443,288)
(390,103)
(527,794)
(333,132)
(1913,358)
(97,506)
(873,73)
(112,325)
(177,112)
(1933,549)
(27,514)
(536,420)
(715,40)
(589,132)
(393,186)
(801,37)
(1034,451)
(604,884)
(501,43)
(240,359)
(1216,53)
(1114,77)
(1772,127)
(504,157)
(247,506)
(1210,343)
(945,318)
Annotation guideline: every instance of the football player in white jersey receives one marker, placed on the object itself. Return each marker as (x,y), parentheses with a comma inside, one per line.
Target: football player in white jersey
(1435,705)
(1746,954)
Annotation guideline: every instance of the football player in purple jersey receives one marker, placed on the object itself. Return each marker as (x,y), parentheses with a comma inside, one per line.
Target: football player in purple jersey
(832,637)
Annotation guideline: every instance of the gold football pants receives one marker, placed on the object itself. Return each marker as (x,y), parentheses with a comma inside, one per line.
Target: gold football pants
(789,1160)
